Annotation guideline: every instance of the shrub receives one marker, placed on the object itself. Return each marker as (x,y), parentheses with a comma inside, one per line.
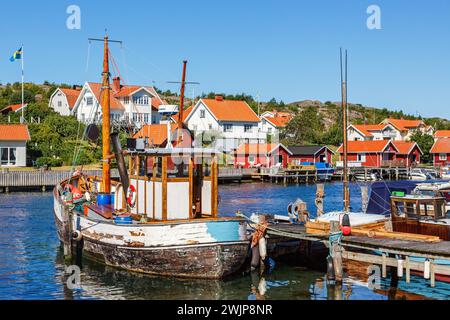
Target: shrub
(49,162)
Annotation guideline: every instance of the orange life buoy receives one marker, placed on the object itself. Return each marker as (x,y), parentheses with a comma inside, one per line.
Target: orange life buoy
(76,193)
(131,196)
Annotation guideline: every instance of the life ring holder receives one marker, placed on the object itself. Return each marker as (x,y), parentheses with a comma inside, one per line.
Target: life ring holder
(131,196)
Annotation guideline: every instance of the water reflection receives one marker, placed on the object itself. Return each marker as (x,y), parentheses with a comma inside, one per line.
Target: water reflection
(31,262)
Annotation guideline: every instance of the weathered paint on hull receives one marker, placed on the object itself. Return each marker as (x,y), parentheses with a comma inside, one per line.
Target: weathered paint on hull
(206,250)
(214,261)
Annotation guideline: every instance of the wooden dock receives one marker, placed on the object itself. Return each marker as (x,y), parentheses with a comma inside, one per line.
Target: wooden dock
(363,249)
(44,179)
(38,179)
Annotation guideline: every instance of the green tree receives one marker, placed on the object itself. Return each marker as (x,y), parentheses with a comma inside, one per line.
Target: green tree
(425,142)
(305,128)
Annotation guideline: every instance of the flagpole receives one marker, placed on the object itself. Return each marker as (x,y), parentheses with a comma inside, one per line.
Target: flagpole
(23,111)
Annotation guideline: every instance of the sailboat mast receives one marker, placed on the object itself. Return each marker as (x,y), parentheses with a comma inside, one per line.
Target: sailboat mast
(181,111)
(345,135)
(105,102)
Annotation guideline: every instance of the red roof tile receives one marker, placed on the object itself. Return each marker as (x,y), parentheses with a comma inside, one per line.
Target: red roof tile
(12,108)
(230,110)
(14,132)
(156,133)
(403,125)
(71,95)
(404,147)
(370,146)
(366,129)
(186,114)
(441,146)
(97,91)
(256,148)
(280,121)
(442,134)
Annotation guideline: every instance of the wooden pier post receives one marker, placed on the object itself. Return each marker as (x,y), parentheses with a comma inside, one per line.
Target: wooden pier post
(364,197)
(432,274)
(408,270)
(320,195)
(336,252)
(383,265)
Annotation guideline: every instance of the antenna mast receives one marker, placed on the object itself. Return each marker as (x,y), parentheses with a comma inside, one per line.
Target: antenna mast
(345,125)
(106,122)
(181,111)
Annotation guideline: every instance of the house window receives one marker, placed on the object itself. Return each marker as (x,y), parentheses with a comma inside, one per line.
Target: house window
(251,159)
(248,128)
(202,114)
(8,156)
(59,104)
(228,128)
(142,100)
(442,157)
(126,100)
(210,127)
(146,117)
(361,157)
(89,101)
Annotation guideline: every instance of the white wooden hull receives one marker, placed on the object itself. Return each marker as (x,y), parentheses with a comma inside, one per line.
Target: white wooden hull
(198,249)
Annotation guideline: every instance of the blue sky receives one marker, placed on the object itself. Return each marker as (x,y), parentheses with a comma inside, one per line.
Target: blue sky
(283,49)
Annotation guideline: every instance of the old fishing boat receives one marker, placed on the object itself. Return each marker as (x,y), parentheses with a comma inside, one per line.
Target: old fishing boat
(160,218)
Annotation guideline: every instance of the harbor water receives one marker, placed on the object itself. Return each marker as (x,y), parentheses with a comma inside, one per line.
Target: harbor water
(31,262)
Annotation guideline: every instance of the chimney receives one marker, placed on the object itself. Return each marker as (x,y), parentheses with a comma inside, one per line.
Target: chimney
(116,84)
(219,98)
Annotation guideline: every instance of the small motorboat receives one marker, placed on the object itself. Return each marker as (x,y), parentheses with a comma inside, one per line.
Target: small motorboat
(418,174)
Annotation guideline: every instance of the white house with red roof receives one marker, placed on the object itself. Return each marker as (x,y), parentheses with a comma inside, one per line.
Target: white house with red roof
(408,127)
(233,122)
(273,121)
(368,132)
(129,103)
(63,100)
(13,145)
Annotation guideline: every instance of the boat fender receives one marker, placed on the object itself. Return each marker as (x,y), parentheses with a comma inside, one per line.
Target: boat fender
(131,196)
(77,236)
(255,257)
(400,268)
(345,225)
(263,248)
(426,269)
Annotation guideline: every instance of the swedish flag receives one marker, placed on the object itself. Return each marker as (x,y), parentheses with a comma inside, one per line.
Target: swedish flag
(16,55)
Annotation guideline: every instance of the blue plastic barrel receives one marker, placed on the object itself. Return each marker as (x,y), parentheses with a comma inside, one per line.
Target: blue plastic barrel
(125,219)
(104,199)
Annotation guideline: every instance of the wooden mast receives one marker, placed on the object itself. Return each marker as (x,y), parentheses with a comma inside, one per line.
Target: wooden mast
(105,102)
(345,136)
(181,111)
